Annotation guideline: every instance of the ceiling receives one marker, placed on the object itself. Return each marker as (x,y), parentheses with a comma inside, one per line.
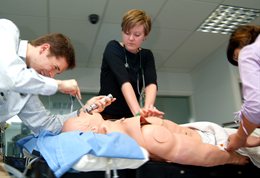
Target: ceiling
(176,44)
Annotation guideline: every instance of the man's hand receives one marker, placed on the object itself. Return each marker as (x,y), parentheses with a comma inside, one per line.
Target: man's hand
(69,87)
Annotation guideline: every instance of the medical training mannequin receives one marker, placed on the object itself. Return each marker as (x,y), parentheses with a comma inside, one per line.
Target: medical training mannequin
(128,71)
(163,139)
(243,51)
(3,172)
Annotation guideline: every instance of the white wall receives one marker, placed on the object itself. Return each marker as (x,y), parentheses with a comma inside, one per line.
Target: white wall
(215,87)
(174,84)
(88,78)
(169,83)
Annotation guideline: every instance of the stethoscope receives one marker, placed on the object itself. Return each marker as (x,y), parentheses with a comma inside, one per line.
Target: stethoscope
(140,92)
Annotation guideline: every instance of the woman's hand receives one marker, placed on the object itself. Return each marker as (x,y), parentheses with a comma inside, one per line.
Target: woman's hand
(101,102)
(235,141)
(151,111)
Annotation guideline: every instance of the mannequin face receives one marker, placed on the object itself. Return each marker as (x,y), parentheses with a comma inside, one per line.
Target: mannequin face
(85,122)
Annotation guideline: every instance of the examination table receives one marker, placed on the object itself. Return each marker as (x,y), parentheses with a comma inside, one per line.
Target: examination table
(150,169)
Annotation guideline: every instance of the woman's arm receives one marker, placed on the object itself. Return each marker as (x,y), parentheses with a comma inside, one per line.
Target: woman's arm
(239,138)
(249,69)
(150,95)
(130,98)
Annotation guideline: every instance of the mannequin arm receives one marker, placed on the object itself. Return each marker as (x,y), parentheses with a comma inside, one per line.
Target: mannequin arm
(183,149)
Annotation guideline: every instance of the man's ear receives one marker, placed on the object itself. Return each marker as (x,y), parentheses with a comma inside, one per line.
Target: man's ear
(44,47)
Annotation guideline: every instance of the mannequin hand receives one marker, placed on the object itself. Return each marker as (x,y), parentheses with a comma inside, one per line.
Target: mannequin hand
(237,159)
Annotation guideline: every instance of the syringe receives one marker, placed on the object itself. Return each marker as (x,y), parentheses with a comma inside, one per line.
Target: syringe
(93,106)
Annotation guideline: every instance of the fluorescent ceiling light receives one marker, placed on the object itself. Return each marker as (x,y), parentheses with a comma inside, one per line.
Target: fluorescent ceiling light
(225,19)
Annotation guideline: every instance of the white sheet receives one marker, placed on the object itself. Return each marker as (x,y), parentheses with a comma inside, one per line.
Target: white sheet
(93,163)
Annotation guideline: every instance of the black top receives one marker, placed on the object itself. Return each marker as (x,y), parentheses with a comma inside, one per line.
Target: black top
(114,74)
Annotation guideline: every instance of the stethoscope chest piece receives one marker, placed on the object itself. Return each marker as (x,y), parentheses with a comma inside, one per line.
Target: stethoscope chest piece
(126,65)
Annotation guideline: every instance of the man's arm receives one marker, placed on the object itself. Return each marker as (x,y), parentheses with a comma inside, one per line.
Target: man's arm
(37,118)
(13,69)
